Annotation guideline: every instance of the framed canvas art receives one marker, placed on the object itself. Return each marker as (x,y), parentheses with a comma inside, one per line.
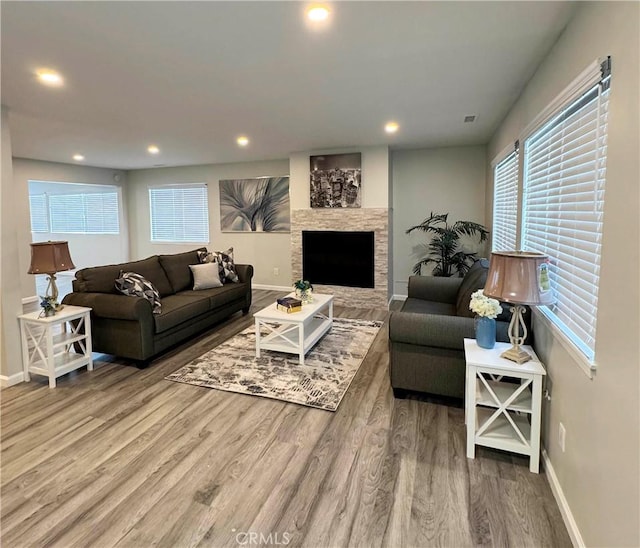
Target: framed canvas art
(260,204)
(336,180)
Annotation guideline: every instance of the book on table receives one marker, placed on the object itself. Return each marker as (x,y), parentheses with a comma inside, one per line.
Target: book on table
(289,304)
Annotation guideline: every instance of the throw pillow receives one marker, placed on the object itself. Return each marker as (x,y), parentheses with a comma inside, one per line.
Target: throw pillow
(226,266)
(136,285)
(205,275)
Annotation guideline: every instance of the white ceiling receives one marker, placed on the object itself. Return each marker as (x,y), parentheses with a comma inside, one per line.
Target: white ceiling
(192,76)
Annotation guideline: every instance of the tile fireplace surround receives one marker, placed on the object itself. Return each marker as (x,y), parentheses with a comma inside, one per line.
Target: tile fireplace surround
(376,220)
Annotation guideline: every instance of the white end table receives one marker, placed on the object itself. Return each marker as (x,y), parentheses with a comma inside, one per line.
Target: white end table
(499,414)
(48,342)
(296,332)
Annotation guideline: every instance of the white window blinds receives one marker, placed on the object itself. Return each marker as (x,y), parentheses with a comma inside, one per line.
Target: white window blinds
(179,213)
(87,213)
(39,213)
(564,181)
(505,204)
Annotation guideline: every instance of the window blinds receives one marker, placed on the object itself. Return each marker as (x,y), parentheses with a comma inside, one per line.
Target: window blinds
(87,213)
(179,213)
(505,203)
(564,181)
(39,213)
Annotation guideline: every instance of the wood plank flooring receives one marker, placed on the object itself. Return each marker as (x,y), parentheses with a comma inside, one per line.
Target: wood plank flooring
(121,457)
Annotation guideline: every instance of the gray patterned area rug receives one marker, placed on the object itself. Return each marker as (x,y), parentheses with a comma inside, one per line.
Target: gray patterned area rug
(321,382)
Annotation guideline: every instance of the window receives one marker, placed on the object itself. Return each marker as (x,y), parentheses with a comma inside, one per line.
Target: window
(87,213)
(179,213)
(39,213)
(505,203)
(564,181)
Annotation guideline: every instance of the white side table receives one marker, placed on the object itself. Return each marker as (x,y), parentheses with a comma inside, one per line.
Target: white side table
(499,414)
(48,342)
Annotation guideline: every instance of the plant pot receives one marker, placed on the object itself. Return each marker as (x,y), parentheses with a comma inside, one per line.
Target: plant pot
(485,332)
(305,295)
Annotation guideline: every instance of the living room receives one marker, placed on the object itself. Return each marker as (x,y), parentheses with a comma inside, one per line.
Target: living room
(595,479)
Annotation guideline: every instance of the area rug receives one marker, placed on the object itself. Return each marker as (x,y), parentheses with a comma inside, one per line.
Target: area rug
(321,382)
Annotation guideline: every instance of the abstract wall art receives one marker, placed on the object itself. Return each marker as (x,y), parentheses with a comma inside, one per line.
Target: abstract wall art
(260,204)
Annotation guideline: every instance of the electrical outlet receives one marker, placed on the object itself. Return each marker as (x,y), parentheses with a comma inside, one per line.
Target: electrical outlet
(562,435)
(276,271)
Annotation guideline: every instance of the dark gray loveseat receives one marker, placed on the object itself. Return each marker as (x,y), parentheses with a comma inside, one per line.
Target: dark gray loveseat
(125,326)
(426,337)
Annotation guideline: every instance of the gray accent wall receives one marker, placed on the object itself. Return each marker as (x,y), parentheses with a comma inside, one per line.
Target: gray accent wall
(598,474)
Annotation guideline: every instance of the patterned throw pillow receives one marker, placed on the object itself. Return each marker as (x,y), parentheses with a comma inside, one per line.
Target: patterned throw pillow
(136,285)
(226,266)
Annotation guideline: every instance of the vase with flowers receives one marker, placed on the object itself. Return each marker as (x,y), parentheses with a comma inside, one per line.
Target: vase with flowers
(49,306)
(303,290)
(487,310)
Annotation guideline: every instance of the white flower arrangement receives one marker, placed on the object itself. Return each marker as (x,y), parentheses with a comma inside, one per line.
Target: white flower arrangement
(484,306)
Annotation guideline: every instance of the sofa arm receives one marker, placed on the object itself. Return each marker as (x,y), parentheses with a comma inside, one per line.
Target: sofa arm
(109,305)
(434,288)
(244,272)
(430,329)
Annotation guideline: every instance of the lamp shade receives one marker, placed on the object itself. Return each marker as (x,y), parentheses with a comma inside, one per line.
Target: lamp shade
(519,277)
(50,257)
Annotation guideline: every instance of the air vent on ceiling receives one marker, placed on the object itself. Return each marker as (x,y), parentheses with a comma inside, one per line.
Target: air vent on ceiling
(469,119)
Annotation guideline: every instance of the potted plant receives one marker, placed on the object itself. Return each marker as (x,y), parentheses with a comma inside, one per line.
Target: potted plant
(304,290)
(487,310)
(443,249)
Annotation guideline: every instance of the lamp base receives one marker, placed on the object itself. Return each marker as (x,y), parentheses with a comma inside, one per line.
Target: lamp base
(516,354)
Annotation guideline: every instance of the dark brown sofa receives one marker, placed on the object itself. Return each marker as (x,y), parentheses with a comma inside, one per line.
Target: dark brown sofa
(426,337)
(125,326)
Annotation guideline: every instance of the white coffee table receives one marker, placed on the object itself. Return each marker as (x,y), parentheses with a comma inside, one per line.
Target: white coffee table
(294,332)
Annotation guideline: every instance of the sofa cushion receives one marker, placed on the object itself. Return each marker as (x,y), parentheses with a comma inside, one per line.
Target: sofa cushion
(428,307)
(101,279)
(177,309)
(205,276)
(135,285)
(221,296)
(473,280)
(176,267)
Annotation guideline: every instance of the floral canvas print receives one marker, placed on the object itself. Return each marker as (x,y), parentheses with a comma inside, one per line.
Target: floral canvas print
(255,205)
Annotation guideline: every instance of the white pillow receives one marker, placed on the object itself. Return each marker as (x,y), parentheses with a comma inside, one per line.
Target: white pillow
(205,276)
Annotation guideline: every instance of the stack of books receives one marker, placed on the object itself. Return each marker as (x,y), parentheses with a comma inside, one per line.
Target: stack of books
(289,304)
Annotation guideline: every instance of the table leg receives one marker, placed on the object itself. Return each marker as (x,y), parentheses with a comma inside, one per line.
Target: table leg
(301,343)
(470,412)
(50,358)
(25,351)
(257,338)
(536,413)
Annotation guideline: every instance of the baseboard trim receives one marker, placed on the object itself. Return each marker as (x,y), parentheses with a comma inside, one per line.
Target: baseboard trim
(16,378)
(286,288)
(565,510)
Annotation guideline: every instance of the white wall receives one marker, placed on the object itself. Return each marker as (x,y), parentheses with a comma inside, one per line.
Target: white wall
(10,268)
(85,250)
(266,251)
(443,180)
(599,473)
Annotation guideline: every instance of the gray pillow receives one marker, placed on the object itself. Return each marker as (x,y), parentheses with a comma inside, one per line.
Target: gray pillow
(133,284)
(205,276)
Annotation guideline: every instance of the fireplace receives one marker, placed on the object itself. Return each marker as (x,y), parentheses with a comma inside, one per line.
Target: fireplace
(339,258)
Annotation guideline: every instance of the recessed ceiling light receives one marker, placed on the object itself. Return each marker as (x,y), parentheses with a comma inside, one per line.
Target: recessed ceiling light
(153,149)
(391,127)
(242,141)
(318,13)
(78,157)
(49,77)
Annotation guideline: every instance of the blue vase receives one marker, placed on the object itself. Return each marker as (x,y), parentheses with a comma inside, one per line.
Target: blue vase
(486,332)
